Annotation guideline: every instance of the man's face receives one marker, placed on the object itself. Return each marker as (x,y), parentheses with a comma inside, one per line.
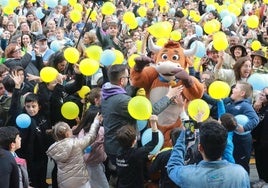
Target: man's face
(128,43)
(112,30)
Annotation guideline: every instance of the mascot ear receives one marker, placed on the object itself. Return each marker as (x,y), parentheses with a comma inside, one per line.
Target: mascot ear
(191,51)
(152,47)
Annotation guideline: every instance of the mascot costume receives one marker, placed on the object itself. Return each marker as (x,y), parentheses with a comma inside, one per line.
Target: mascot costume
(156,76)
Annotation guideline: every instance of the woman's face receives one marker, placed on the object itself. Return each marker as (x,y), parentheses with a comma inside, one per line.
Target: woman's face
(245,70)
(257,61)
(238,52)
(86,39)
(61,66)
(26,40)
(16,53)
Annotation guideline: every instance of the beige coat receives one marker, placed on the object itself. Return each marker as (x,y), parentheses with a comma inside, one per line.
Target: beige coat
(68,154)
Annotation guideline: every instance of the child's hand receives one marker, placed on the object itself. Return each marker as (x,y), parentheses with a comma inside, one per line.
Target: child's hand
(98,118)
(153,122)
(17,78)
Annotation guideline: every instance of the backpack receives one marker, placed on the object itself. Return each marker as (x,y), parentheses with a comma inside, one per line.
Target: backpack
(5,103)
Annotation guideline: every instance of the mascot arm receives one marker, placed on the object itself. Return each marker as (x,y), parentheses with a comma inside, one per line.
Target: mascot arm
(143,79)
(195,91)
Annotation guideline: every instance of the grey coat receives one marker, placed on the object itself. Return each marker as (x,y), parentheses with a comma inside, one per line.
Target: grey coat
(68,154)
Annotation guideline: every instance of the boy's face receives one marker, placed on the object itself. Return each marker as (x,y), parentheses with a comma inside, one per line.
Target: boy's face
(32,108)
(237,93)
(17,142)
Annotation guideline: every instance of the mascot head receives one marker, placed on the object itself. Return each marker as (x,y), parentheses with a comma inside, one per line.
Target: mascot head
(171,58)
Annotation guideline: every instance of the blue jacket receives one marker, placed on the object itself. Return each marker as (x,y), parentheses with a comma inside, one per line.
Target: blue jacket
(206,174)
(239,107)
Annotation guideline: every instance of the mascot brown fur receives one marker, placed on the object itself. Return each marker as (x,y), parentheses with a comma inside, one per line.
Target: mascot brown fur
(157,76)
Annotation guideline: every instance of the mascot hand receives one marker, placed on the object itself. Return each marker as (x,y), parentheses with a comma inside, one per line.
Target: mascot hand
(184,77)
(141,62)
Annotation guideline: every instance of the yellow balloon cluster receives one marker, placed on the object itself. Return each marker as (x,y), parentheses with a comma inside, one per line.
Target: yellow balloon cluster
(83,91)
(220,41)
(142,11)
(160,29)
(235,8)
(128,17)
(94,52)
(108,8)
(140,108)
(252,21)
(161,3)
(256,45)
(198,106)
(88,66)
(75,16)
(71,55)
(212,26)
(219,90)
(70,110)
(161,41)
(48,74)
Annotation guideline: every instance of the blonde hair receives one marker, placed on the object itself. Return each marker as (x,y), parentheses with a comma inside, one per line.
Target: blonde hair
(59,130)
(35,26)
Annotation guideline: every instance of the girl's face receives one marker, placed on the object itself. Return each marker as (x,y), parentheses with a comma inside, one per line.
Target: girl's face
(237,52)
(32,108)
(245,70)
(61,66)
(59,34)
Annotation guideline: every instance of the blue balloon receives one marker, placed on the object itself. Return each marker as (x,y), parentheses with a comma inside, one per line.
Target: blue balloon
(224,13)
(227,21)
(147,137)
(233,17)
(23,121)
(201,49)
(198,31)
(64,2)
(107,57)
(4,3)
(141,124)
(241,119)
(55,46)
(257,81)
(51,3)
(39,13)
(210,8)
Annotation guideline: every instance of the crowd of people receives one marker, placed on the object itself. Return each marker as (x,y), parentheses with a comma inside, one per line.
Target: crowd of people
(102,146)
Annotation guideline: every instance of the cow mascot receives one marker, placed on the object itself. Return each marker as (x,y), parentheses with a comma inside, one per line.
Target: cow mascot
(156,76)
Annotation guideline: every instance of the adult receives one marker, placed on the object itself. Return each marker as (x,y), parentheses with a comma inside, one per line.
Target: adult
(258,61)
(212,170)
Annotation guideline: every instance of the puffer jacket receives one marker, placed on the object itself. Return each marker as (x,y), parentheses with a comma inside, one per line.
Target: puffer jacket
(68,154)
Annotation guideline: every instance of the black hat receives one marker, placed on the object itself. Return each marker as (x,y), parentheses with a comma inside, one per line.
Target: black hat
(261,54)
(244,51)
(40,37)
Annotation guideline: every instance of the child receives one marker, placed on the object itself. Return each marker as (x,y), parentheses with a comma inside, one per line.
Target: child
(34,141)
(229,122)
(94,154)
(68,153)
(160,162)
(130,162)
(11,141)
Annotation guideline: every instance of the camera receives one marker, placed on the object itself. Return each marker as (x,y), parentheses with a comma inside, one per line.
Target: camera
(190,127)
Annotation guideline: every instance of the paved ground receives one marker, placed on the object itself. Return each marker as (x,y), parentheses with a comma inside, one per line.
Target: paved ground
(253,172)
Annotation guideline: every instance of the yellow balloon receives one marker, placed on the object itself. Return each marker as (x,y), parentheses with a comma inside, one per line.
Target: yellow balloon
(142,11)
(196,106)
(219,35)
(133,25)
(234,9)
(108,8)
(256,45)
(161,3)
(32,1)
(48,74)
(185,12)
(265,1)
(197,18)
(8,9)
(131,61)
(208,2)
(72,2)
(209,27)
(140,108)
(139,45)
(75,16)
(14,3)
(119,57)
(71,55)
(160,29)
(219,90)
(83,91)
(88,66)
(252,21)
(142,2)
(128,17)
(36,87)
(94,52)
(220,44)
(150,5)
(217,25)
(78,7)
(70,110)
(161,41)
(175,35)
